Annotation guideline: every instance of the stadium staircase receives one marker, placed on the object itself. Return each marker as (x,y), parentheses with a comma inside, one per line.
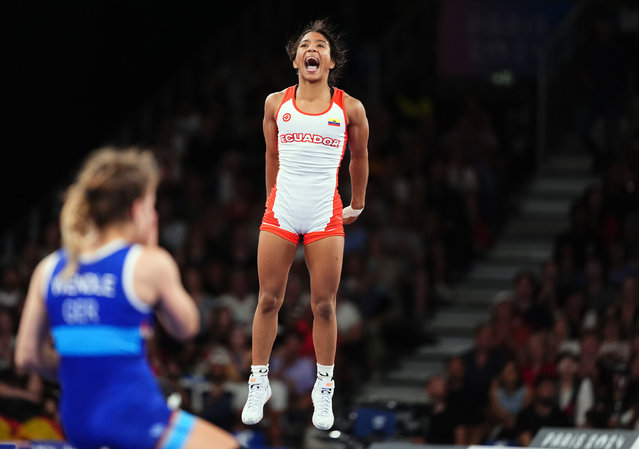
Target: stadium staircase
(526,242)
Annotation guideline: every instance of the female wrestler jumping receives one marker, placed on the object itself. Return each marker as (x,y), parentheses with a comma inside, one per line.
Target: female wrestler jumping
(306,129)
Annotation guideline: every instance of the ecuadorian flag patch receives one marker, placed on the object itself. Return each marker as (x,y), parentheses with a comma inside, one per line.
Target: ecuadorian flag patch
(333,122)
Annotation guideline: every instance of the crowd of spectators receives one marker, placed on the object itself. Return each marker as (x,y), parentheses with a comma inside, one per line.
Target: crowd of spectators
(561,347)
(443,172)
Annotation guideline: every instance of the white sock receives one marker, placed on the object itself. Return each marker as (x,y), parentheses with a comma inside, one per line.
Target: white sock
(325,372)
(259,370)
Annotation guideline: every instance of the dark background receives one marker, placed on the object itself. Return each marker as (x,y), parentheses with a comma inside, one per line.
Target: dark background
(77,69)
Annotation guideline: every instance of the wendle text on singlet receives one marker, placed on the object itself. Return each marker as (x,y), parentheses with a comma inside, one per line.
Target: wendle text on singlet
(91,284)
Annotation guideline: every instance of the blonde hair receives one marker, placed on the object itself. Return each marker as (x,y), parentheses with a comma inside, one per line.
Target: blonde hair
(102,194)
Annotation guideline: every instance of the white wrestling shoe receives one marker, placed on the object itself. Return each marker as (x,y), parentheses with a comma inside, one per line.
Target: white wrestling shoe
(322,396)
(259,394)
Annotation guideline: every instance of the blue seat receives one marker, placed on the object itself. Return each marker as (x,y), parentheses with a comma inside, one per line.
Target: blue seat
(375,422)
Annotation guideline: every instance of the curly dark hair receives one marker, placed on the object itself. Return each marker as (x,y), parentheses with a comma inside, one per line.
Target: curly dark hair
(336,45)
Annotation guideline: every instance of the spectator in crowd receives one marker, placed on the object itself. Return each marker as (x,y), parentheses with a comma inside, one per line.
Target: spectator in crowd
(475,133)
(509,332)
(214,276)
(559,338)
(240,351)
(11,294)
(443,422)
(482,363)
(240,300)
(455,224)
(7,342)
(220,322)
(613,346)
(173,229)
(549,286)
(543,411)
(288,365)
(204,302)
(218,401)
(534,314)
(575,395)
(620,267)
(458,397)
(599,293)
(536,359)
(376,304)
(616,406)
(628,304)
(573,246)
(508,396)
(589,344)
(21,395)
(574,310)
(463,178)
(630,416)
(351,342)
(298,314)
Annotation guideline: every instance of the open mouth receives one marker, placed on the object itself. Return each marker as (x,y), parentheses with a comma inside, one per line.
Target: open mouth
(311,64)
